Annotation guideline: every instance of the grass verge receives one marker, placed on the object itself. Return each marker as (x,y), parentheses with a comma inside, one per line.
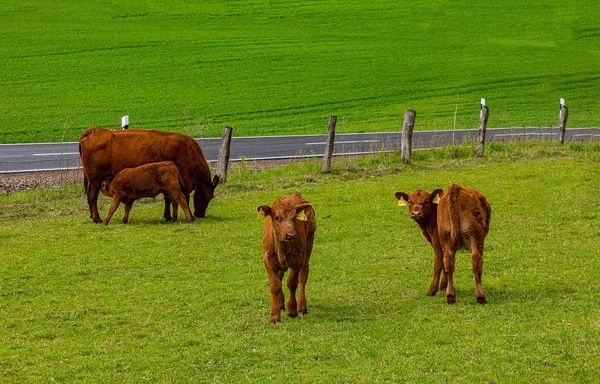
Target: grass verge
(171,302)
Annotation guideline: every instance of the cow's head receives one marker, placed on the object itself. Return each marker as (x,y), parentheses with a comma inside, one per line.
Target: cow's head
(105,187)
(420,203)
(284,215)
(203,195)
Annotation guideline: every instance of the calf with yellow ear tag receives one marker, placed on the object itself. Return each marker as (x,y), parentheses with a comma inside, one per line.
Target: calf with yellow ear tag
(456,220)
(288,238)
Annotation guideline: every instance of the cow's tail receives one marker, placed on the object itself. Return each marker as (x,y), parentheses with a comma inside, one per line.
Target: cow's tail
(454,211)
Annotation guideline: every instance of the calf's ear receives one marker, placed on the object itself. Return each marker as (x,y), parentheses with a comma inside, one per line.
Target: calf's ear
(402,198)
(435,195)
(263,210)
(301,210)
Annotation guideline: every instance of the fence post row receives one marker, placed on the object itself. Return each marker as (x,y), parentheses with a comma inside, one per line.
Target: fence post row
(329,144)
(223,158)
(483,119)
(407,131)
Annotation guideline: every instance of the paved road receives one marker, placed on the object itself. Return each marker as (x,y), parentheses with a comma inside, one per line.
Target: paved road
(62,156)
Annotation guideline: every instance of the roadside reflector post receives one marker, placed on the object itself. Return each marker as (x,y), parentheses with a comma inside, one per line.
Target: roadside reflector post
(223,158)
(407,131)
(483,119)
(562,124)
(125,122)
(329,144)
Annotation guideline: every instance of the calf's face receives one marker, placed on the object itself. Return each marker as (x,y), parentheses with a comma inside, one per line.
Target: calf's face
(105,188)
(420,203)
(284,217)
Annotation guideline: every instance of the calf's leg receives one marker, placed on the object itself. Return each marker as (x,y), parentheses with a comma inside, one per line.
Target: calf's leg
(128,206)
(180,199)
(438,266)
(303,276)
(477,265)
(449,265)
(292,283)
(275,286)
(113,207)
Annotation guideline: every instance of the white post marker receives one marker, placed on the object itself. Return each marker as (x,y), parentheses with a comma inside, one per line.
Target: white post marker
(125,122)
(562,104)
(481,109)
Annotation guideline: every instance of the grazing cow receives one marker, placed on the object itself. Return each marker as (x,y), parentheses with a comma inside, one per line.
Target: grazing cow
(104,153)
(288,237)
(147,180)
(458,220)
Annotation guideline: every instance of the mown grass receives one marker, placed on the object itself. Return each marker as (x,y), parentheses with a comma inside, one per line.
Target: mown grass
(172,302)
(280,67)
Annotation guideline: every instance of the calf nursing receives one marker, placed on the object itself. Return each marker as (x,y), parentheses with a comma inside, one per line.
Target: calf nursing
(147,180)
(288,237)
(451,221)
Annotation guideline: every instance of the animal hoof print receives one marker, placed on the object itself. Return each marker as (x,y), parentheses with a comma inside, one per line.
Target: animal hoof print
(481,300)
(451,299)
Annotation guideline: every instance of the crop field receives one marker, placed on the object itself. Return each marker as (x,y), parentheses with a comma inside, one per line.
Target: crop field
(283,67)
(152,301)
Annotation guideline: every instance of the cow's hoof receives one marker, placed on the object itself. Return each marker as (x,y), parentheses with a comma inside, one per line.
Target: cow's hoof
(450,299)
(481,300)
(431,292)
(274,320)
(292,314)
(303,311)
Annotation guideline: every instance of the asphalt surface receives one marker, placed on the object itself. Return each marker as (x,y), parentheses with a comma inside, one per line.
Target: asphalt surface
(62,156)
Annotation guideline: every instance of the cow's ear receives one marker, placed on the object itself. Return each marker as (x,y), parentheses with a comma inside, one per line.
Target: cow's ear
(435,195)
(215,181)
(301,210)
(263,210)
(402,198)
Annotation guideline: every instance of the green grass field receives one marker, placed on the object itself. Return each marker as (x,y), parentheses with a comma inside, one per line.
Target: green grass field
(172,302)
(280,67)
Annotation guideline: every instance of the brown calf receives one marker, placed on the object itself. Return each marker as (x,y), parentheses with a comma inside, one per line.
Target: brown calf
(288,237)
(147,180)
(456,220)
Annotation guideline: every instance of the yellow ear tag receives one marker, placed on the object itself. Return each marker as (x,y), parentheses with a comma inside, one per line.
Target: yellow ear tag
(436,199)
(261,214)
(402,202)
(301,216)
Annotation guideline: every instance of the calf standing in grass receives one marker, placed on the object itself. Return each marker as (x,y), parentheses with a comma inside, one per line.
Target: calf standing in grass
(288,237)
(456,220)
(147,180)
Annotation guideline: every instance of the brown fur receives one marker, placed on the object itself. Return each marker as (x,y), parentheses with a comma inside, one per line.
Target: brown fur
(147,180)
(461,220)
(287,243)
(105,153)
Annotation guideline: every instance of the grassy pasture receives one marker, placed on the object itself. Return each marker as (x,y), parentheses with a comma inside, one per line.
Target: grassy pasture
(171,302)
(281,67)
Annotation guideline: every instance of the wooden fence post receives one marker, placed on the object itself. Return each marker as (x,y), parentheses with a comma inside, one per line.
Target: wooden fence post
(562,125)
(407,131)
(483,119)
(223,158)
(329,144)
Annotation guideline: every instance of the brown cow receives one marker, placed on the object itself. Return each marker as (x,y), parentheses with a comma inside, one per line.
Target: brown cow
(104,153)
(458,220)
(288,237)
(147,180)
